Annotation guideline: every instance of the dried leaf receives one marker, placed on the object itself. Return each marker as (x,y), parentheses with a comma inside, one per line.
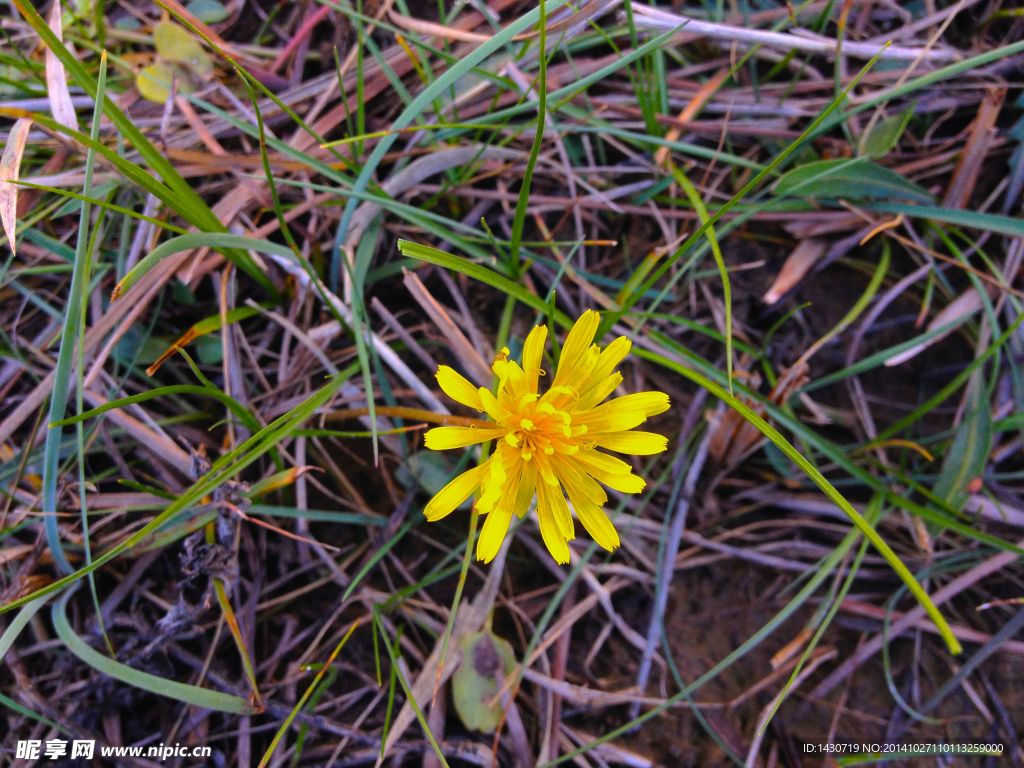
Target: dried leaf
(175,44)
(474,365)
(278,480)
(10,163)
(733,437)
(797,265)
(56,80)
(983,132)
(960,309)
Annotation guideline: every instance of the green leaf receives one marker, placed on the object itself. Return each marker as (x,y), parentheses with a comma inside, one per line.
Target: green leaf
(175,44)
(474,683)
(69,337)
(885,134)
(208,11)
(175,389)
(849,179)
(966,458)
(154,82)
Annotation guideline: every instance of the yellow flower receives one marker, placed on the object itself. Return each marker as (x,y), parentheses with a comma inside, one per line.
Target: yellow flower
(547,443)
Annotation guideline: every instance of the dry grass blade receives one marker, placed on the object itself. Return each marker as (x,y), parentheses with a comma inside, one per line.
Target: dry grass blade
(952,315)
(10,163)
(56,79)
(471,361)
(798,264)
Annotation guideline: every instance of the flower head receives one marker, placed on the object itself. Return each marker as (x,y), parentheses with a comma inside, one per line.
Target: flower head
(547,445)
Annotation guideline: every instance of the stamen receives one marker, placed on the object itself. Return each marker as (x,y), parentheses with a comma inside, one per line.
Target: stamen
(526,424)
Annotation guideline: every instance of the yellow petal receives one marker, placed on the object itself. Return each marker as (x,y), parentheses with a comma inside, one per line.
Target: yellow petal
(598,421)
(560,510)
(453,494)
(651,403)
(578,482)
(493,533)
(493,482)
(597,523)
(611,356)
(533,354)
(458,388)
(445,438)
(553,538)
(512,466)
(491,405)
(527,488)
(623,412)
(635,443)
(515,383)
(603,462)
(597,392)
(576,344)
(543,464)
(621,483)
(577,379)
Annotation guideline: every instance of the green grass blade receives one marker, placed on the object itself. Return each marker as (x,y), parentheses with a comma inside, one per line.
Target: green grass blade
(20,622)
(66,353)
(197,240)
(226,467)
(837,498)
(702,212)
(305,697)
(408,693)
(987,222)
(174,389)
(424,99)
(185,199)
(188,694)
(610,319)
(481,273)
(519,219)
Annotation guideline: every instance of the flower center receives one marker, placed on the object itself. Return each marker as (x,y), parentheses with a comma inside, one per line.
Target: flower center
(540,428)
